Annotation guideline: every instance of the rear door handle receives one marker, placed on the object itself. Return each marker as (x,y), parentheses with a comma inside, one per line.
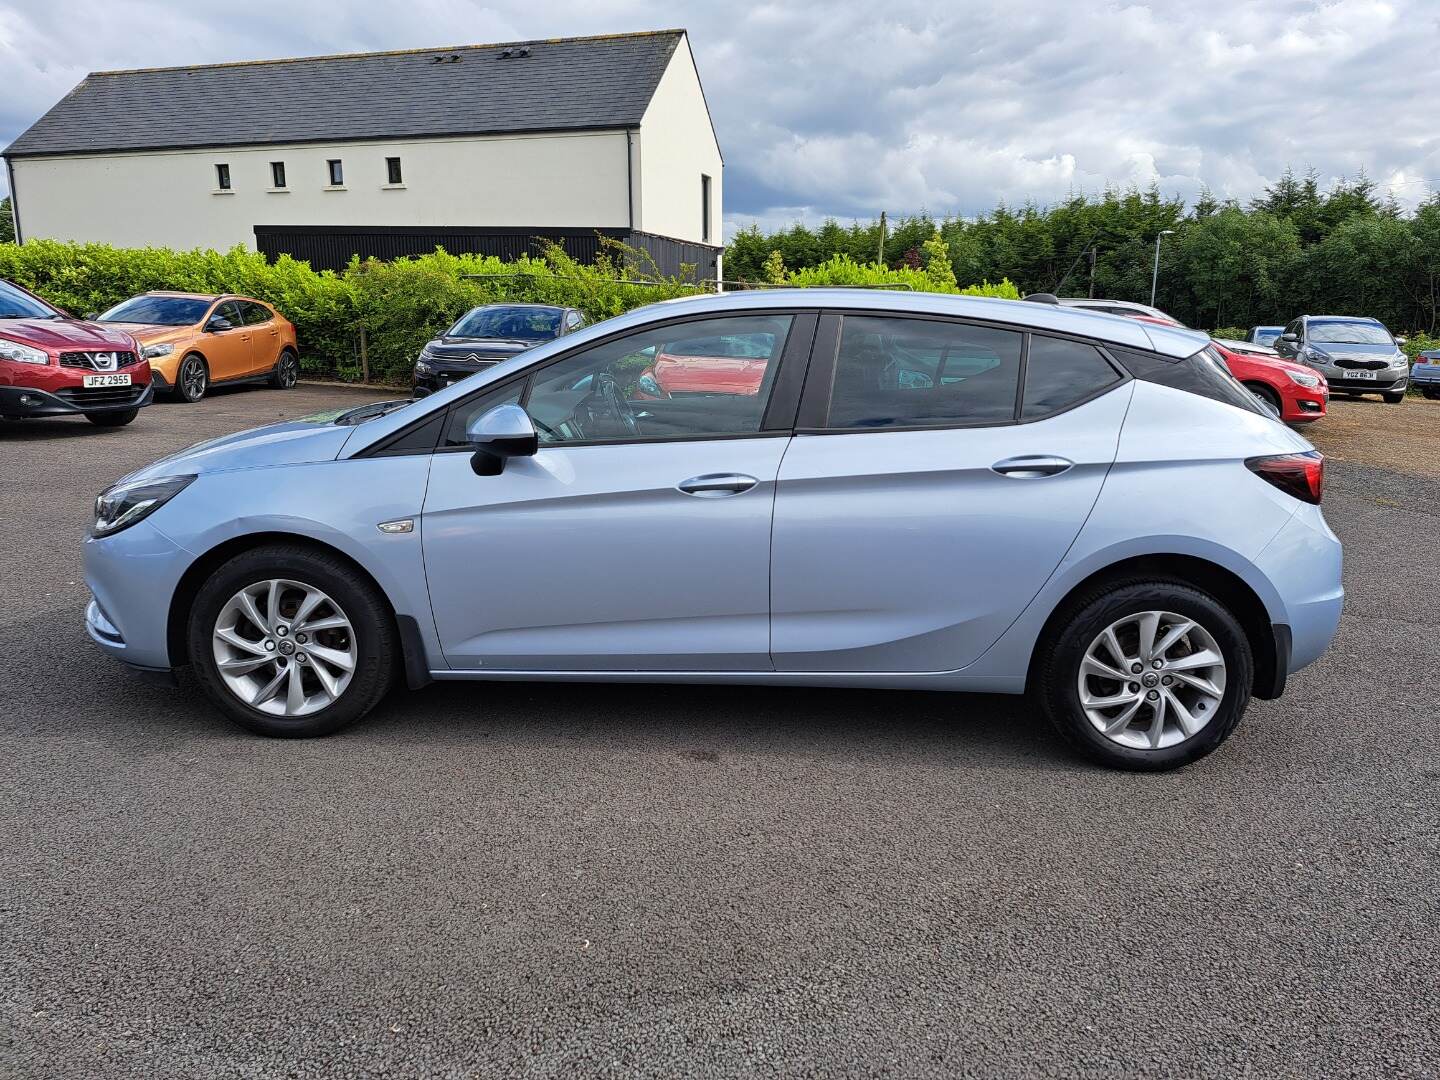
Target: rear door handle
(717,485)
(1032,467)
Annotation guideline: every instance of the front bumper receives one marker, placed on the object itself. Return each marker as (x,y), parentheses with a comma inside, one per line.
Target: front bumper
(1386,381)
(132,577)
(23,402)
(444,372)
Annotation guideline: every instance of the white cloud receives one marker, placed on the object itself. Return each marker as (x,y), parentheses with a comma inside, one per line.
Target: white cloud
(846,107)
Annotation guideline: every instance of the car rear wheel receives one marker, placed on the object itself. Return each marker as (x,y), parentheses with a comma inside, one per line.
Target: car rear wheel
(1394,399)
(1432,393)
(192,379)
(113,419)
(292,642)
(1146,675)
(287,371)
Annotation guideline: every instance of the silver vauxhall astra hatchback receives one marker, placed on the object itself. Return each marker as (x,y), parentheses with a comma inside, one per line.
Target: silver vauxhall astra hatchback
(819,488)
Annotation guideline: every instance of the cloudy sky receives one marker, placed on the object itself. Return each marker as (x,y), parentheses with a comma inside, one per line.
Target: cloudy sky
(845,107)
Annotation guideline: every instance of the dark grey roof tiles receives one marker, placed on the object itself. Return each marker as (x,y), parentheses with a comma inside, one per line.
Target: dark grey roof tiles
(564,84)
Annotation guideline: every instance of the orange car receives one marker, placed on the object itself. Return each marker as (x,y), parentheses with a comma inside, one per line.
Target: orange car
(194,342)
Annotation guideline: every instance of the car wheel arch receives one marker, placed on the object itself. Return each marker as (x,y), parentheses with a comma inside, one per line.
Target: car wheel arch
(1226,586)
(198,572)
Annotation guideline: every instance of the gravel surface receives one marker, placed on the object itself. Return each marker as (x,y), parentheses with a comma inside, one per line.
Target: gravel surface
(528,880)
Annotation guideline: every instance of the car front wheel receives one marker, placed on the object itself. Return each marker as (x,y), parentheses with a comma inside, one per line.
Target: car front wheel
(118,418)
(192,379)
(291,641)
(1146,675)
(1394,399)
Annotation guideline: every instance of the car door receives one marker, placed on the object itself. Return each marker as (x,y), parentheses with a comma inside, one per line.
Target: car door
(264,335)
(1291,349)
(227,342)
(638,537)
(925,500)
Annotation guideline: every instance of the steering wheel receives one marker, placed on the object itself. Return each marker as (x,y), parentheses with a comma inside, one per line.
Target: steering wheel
(606,389)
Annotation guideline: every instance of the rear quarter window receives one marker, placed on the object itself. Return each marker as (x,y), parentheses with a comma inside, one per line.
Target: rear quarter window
(1203,373)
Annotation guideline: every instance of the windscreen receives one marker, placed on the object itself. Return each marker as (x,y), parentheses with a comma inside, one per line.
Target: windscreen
(509,323)
(158,310)
(1345,332)
(15,304)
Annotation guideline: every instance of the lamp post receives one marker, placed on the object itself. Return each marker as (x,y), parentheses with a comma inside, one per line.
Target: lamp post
(1155,273)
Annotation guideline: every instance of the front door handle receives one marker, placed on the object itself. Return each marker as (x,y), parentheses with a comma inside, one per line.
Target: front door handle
(1032,467)
(717,485)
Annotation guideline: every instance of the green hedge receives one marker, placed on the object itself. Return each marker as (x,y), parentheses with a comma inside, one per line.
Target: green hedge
(390,308)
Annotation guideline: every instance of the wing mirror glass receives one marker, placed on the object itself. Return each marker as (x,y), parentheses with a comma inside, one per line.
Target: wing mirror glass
(495,436)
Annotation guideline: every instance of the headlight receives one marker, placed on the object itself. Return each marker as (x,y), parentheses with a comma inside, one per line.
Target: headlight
(1400,361)
(152,351)
(428,352)
(422,368)
(122,505)
(1303,378)
(22,354)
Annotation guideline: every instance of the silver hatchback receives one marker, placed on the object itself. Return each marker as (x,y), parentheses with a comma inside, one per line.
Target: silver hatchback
(817,488)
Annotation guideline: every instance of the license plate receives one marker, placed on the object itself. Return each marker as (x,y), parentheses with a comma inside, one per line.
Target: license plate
(107,380)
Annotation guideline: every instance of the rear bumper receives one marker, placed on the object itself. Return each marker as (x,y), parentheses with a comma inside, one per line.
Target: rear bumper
(1304,564)
(20,401)
(1425,374)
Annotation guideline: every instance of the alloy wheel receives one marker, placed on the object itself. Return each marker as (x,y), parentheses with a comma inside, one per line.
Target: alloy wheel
(1152,680)
(284,647)
(193,379)
(289,371)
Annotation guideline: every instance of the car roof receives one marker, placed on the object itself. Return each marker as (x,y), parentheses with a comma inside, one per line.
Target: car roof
(1345,318)
(520,304)
(1168,339)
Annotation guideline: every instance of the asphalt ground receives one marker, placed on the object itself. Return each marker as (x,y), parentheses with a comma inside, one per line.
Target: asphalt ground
(563,880)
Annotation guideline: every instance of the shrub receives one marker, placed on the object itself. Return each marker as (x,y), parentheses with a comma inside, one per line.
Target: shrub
(1234,333)
(385,311)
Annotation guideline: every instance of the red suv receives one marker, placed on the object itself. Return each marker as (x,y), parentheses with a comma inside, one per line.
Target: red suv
(53,365)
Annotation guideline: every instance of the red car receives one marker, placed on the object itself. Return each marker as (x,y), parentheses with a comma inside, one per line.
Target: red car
(54,365)
(1298,393)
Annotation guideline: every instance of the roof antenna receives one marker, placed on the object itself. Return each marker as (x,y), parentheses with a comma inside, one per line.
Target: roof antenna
(1042,298)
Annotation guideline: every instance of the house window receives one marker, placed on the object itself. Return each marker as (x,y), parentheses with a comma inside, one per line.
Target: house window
(222,177)
(277,174)
(392,170)
(704,208)
(337,173)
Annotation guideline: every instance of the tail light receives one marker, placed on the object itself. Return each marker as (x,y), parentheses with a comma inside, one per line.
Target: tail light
(1300,475)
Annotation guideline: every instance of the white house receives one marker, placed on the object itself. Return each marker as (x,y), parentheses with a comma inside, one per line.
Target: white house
(478,148)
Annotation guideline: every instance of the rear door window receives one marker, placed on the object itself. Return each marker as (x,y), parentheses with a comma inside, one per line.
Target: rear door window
(894,372)
(1060,373)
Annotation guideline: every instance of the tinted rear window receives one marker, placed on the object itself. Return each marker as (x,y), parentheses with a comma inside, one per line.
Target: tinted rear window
(894,372)
(1059,373)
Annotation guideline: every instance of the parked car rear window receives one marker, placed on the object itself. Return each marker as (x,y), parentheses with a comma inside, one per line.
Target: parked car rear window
(158,310)
(895,372)
(1344,332)
(15,304)
(1059,373)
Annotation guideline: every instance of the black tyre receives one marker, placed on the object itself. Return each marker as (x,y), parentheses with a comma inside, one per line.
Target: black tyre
(1432,393)
(1152,705)
(1265,394)
(291,641)
(192,379)
(113,419)
(287,371)
(1394,399)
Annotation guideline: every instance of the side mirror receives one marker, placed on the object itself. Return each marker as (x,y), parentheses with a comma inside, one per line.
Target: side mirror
(91,316)
(218,323)
(503,432)
(1289,339)
(1399,341)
